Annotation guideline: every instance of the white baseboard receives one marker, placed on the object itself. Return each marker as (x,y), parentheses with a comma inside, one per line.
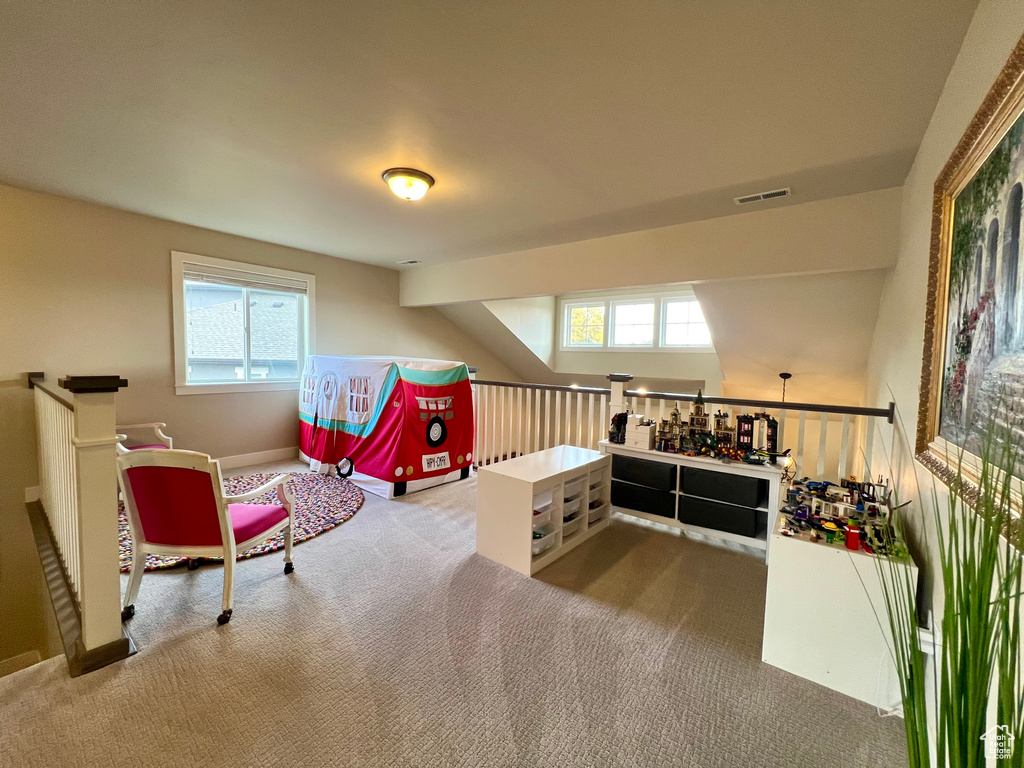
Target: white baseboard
(32,494)
(261,457)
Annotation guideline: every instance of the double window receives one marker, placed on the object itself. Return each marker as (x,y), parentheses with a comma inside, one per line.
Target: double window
(674,322)
(238,327)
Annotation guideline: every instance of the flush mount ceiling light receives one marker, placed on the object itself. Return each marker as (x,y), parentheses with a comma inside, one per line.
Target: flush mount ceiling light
(408,262)
(408,183)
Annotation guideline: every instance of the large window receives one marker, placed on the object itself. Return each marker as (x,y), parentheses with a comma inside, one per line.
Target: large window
(684,324)
(239,327)
(653,321)
(584,325)
(632,323)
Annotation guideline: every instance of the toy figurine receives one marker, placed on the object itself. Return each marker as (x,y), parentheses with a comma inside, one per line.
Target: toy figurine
(617,433)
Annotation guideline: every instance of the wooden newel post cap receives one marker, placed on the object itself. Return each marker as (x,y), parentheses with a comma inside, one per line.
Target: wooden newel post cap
(620,377)
(92,384)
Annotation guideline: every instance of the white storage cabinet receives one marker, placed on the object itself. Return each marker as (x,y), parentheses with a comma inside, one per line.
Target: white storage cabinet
(562,494)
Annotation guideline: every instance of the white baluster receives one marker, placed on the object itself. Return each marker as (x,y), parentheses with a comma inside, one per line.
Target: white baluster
(822,445)
(590,422)
(800,444)
(537,420)
(579,419)
(558,416)
(844,445)
(547,418)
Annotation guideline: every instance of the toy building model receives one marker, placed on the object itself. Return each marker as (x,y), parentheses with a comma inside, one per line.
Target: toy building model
(771,437)
(700,422)
(725,435)
(672,432)
(745,432)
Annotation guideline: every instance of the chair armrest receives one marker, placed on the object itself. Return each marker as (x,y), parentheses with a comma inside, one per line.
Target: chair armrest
(278,483)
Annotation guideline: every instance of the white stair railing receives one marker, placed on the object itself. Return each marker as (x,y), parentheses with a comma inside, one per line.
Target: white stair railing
(512,419)
(78,498)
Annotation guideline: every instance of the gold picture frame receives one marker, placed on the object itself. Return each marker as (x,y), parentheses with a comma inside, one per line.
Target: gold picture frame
(1002,106)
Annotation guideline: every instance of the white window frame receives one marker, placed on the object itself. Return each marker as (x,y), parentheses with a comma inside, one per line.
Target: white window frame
(660,299)
(307,330)
(663,325)
(615,304)
(567,307)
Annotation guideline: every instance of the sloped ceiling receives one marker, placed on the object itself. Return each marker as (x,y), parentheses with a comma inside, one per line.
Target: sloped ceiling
(542,122)
(817,327)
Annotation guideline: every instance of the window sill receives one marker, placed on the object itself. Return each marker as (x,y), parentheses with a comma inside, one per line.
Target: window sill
(638,348)
(241,386)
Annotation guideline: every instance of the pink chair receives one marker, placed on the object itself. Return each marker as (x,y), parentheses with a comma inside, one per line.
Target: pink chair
(158,440)
(177,507)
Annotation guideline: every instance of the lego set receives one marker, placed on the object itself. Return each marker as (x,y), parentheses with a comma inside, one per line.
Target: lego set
(858,516)
(700,433)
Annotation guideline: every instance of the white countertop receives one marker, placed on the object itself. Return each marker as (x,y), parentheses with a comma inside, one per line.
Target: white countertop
(543,464)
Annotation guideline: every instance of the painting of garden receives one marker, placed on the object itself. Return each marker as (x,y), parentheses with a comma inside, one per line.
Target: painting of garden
(983,369)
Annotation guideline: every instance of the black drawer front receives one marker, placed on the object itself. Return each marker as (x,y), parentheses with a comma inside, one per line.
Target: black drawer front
(643,499)
(733,489)
(653,474)
(721,517)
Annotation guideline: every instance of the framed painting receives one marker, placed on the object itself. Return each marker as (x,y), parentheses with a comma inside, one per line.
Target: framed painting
(973,368)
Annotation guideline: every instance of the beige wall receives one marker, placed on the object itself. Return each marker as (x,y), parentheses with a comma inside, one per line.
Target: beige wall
(86,289)
(896,352)
(532,320)
(841,234)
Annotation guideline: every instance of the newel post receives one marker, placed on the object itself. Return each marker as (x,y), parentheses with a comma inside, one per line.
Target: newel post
(617,401)
(96,483)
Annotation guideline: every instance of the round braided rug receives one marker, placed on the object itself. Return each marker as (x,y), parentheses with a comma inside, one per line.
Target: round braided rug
(321,503)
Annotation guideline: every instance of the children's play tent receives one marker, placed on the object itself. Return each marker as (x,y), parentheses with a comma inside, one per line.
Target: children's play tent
(405,425)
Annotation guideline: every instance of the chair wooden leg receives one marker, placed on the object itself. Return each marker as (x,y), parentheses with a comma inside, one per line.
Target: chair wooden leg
(288,543)
(134,582)
(229,586)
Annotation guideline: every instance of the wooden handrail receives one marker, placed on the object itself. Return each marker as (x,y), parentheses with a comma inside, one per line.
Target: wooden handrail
(549,387)
(841,410)
(38,381)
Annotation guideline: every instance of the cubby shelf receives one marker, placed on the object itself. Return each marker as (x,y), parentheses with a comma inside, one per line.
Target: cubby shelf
(561,481)
(666,494)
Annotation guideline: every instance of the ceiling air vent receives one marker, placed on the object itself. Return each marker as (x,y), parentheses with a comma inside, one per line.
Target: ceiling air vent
(748,199)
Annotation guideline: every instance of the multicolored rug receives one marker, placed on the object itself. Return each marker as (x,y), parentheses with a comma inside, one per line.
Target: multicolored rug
(321,503)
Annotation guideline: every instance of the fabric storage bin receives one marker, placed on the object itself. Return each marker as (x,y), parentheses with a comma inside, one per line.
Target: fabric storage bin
(540,545)
(568,529)
(720,517)
(643,499)
(653,474)
(722,486)
(573,487)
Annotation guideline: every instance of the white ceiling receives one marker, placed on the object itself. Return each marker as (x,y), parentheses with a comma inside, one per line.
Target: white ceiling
(543,123)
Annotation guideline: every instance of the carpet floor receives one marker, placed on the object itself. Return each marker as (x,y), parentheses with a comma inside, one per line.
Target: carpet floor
(394,644)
